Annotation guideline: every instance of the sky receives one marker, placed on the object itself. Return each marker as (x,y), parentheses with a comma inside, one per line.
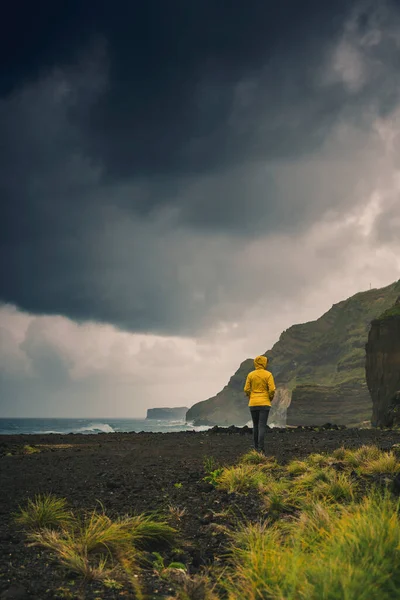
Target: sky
(179,183)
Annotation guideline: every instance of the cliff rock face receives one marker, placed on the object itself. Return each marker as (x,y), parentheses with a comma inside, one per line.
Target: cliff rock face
(321,364)
(383,367)
(167,414)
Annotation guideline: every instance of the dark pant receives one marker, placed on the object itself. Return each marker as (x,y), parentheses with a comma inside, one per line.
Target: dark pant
(259,414)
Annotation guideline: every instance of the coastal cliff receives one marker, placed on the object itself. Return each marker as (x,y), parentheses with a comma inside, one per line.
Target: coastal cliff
(167,414)
(320,363)
(383,367)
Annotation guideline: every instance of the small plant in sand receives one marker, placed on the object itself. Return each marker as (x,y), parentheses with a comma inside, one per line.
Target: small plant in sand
(213,476)
(213,471)
(44,511)
(112,584)
(198,587)
(210,464)
(168,571)
(176,513)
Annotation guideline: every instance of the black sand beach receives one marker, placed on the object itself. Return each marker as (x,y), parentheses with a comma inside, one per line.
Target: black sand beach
(135,473)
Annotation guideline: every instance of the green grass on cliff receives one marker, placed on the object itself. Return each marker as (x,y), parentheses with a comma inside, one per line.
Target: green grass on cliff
(328,352)
(391,312)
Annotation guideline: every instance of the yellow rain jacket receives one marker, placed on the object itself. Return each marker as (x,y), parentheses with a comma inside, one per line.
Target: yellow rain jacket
(260,384)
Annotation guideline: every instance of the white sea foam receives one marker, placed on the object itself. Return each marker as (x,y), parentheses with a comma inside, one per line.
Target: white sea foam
(47,432)
(197,427)
(202,427)
(95,428)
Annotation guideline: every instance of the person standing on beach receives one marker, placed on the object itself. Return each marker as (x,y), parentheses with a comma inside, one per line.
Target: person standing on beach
(260,389)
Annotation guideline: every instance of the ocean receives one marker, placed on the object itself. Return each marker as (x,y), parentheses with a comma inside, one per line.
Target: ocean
(91,426)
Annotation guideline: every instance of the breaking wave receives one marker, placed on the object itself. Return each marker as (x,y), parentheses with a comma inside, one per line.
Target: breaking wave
(95,428)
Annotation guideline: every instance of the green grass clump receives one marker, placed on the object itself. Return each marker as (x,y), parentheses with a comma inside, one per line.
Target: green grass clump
(386,463)
(319,460)
(351,553)
(368,460)
(98,533)
(339,453)
(72,554)
(297,467)
(95,546)
(146,532)
(256,458)
(242,478)
(338,489)
(356,458)
(279,496)
(44,511)
(27,449)
(313,524)
(308,481)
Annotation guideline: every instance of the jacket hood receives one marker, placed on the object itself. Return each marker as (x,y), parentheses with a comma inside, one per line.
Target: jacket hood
(260,362)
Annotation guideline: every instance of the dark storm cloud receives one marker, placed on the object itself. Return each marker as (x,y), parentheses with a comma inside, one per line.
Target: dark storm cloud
(132,132)
(173,69)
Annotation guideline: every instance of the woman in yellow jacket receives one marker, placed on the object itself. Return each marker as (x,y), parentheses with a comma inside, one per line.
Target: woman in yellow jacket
(260,389)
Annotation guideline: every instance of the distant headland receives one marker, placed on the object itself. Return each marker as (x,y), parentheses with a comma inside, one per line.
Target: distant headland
(168,414)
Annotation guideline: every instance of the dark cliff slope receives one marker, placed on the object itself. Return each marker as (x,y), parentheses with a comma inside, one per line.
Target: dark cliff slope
(383,363)
(321,363)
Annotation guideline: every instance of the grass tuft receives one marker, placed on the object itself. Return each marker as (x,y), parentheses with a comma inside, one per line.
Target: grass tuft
(147,532)
(314,476)
(351,553)
(280,497)
(27,449)
(242,478)
(386,463)
(297,467)
(256,458)
(338,489)
(71,554)
(319,460)
(44,511)
(358,457)
(95,546)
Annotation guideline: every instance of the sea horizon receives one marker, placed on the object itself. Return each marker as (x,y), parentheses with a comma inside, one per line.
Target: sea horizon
(91,425)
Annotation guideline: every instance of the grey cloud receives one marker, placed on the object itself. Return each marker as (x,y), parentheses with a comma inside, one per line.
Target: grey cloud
(141,218)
